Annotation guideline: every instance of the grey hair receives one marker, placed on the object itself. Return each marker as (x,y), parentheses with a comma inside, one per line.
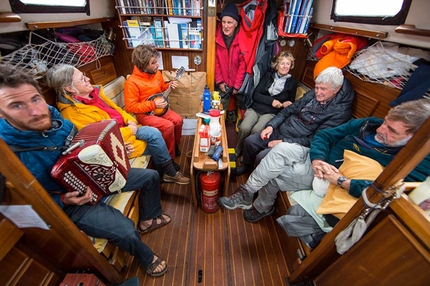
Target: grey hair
(59,77)
(332,76)
(412,113)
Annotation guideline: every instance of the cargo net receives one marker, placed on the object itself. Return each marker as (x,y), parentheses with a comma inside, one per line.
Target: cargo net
(384,63)
(38,58)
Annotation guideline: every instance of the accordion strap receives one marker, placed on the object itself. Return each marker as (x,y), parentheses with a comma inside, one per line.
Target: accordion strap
(69,138)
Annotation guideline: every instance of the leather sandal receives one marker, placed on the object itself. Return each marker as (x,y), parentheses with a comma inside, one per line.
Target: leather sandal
(154,224)
(151,268)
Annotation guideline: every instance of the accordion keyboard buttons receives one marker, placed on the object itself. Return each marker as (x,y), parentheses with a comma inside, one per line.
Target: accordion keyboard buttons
(76,184)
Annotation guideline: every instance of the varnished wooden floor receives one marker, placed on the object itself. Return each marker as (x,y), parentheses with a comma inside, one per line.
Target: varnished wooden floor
(221,246)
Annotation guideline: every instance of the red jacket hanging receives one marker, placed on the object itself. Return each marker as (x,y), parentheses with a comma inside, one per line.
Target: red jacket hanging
(251,30)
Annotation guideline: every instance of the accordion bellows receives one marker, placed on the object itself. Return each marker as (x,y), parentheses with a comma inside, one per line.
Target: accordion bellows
(99,161)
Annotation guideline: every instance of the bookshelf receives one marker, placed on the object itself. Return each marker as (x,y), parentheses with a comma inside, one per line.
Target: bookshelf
(166,24)
(295,18)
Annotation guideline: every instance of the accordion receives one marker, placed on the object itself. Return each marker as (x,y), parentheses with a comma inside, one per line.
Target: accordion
(96,158)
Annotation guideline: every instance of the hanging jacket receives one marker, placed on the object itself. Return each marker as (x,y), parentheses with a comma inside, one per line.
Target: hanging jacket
(229,64)
(82,114)
(138,87)
(40,163)
(252,13)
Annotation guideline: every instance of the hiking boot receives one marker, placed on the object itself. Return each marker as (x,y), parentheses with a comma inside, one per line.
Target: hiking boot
(178,179)
(240,199)
(252,215)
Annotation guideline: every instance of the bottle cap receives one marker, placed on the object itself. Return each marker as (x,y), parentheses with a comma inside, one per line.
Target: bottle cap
(214,113)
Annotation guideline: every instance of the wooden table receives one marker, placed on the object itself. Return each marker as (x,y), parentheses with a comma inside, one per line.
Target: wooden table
(200,161)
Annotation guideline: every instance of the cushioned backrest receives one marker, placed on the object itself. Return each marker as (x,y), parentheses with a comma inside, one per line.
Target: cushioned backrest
(301,90)
(115,91)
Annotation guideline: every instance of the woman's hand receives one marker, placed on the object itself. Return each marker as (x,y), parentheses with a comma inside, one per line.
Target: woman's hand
(74,198)
(129,148)
(266,132)
(276,103)
(286,104)
(133,127)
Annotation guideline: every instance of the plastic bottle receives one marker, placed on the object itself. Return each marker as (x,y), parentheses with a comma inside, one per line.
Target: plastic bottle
(214,126)
(206,99)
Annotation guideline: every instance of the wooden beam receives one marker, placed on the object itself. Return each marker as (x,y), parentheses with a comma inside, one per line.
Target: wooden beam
(32,26)
(351,31)
(210,47)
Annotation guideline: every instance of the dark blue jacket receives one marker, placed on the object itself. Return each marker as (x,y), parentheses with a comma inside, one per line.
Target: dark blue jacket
(40,163)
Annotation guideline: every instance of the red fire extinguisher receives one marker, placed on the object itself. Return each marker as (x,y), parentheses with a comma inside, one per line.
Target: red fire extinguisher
(209,187)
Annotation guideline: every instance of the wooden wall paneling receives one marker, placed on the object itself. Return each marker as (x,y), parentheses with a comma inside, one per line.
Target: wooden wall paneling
(299,51)
(103,75)
(381,259)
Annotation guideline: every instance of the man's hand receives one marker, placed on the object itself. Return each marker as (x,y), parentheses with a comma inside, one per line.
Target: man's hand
(321,168)
(133,127)
(174,84)
(160,102)
(74,198)
(273,143)
(222,87)
(266,132)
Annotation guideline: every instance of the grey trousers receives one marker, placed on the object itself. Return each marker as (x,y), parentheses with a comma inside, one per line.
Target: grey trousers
(252,123)
(286,167)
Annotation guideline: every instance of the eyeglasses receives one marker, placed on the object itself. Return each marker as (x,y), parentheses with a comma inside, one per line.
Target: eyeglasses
(82,79)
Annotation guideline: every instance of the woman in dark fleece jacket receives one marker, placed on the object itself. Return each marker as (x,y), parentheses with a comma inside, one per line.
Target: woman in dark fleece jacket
(275,91)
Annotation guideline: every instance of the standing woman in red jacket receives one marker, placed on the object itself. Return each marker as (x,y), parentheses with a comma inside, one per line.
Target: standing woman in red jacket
(229,61)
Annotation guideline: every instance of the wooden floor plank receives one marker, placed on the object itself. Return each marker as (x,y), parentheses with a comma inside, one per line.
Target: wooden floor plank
(228,250)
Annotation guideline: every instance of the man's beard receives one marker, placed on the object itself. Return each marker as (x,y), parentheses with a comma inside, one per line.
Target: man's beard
(395,144)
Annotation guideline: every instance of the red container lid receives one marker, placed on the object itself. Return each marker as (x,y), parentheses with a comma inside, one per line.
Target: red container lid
(214,113)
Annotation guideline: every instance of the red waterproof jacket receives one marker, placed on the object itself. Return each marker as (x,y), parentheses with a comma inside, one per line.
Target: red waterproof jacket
(229,65)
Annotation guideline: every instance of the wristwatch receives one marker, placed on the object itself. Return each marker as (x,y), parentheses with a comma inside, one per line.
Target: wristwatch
(340,180)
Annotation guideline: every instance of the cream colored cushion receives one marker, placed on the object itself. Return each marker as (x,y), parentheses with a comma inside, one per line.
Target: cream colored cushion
(338,201)
(115,91)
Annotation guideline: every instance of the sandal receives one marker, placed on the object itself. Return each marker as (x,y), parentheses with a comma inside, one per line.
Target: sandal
(154,224)
(151,268)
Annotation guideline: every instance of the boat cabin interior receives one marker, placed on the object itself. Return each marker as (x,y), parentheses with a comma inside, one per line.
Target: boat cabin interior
(40,245)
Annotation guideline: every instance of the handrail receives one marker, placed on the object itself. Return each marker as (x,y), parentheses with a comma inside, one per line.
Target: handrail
(32,26)
(351,31)
(8,17)
(412,30)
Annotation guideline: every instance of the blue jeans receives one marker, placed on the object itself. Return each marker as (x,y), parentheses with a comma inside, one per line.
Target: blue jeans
(103,221)
(156,147)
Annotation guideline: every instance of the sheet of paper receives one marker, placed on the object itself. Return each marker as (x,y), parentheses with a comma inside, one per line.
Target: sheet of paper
(23,216)
(160,61)
(180,61)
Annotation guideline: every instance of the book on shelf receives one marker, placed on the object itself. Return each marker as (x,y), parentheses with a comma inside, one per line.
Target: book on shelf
(174,34)
(194,34)
(121,6)
(126,32)
(159,38)
(295,16)
(306,15)
(166,34)
(185,37)
(308,20)
(134,32)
